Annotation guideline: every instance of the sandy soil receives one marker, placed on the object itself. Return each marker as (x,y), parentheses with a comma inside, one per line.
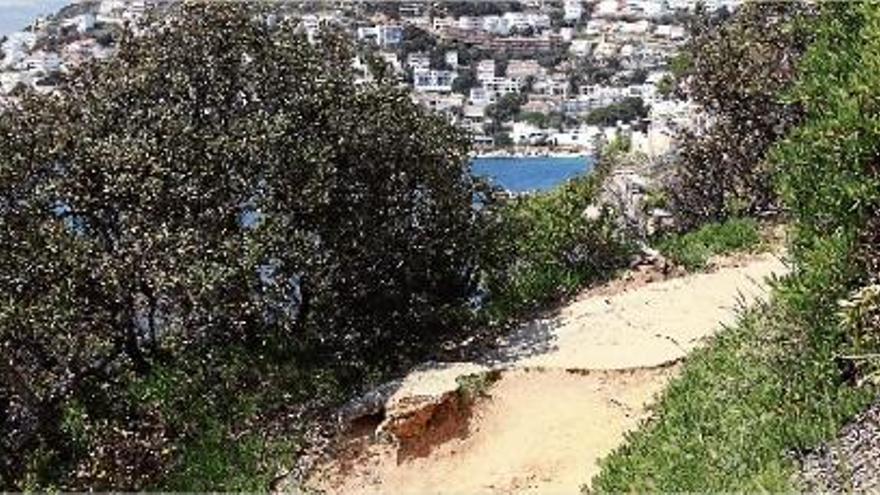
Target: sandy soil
(571,387)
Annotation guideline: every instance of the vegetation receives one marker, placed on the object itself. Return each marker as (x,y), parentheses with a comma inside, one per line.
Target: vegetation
(694,249)
(627,110)
(740,410)
(788,376)
(204,256)
(737,69)
(544,247)
(196,249)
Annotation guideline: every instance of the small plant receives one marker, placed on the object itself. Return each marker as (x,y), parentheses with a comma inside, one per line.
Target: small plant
(476,385)
(694,249)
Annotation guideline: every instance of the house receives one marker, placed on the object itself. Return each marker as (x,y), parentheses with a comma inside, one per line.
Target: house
(584,138)
(655,141)
(573,10)
(469,23)
(445,103)
(500,86)
(526,133)
(523,69)
(580,47)
(443,23)
(10,79)
(418,60)
(607,8)
(485,69)
(479,97)
(43,62)
(495,25)
(433,80)
(392,60)
(451,58)
(381,35)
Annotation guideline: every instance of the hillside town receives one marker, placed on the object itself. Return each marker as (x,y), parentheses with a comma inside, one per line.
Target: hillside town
(532,76)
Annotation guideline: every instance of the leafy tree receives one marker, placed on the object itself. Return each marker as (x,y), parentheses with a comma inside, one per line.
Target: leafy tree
(737,69)
(416,40)
(627,110)
(505,109)
(466,80)
(218,198)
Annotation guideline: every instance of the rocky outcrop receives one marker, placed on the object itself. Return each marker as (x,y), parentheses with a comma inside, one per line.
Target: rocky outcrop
(427,408)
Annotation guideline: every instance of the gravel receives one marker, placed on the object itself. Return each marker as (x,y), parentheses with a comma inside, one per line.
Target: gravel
(850,462)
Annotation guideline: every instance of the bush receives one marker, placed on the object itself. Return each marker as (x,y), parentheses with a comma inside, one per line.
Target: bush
(828,170)
(219,198)
(789,375)
(693,250)
(736,70)
(546,246)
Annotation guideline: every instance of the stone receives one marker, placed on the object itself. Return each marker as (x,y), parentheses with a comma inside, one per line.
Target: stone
(428,409)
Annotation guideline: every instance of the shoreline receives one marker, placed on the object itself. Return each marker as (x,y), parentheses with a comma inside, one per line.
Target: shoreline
(501,154)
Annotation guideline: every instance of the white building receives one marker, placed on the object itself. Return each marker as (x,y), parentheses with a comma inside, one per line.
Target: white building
(10,79)
(500,86)
(469,23)
(433,80)
(580,47)
(42,62)
(584,137)
(523,69)
(17,46)
(495,25)
(485,69)
(418,60)
(526,133)
(451,58)
(574,10)
(391,59)
(382,35)
(607,8)
(656,141)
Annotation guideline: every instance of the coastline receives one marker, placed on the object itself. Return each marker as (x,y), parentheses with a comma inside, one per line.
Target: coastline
(505,154)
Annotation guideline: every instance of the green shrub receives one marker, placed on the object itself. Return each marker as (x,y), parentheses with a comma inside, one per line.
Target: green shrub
(737,68)
(784,379)
(693,250)
(220,183)
(545,247)
(829,177)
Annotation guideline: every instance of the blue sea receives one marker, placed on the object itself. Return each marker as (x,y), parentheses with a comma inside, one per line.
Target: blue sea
(523,174)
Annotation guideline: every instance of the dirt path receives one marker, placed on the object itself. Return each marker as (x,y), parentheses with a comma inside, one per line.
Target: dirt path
(569,388)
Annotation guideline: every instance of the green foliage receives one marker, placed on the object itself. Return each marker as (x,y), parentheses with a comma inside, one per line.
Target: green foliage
(627,110)
(737,69)
(544,247)
(219,184)
(785,379)
(693,249)
(739,408)
(505,109)
(829,177)
(466,80)
(477,385)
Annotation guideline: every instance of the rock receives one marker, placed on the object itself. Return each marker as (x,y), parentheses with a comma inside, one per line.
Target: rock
(428,409)
(371,403)
(592,213)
